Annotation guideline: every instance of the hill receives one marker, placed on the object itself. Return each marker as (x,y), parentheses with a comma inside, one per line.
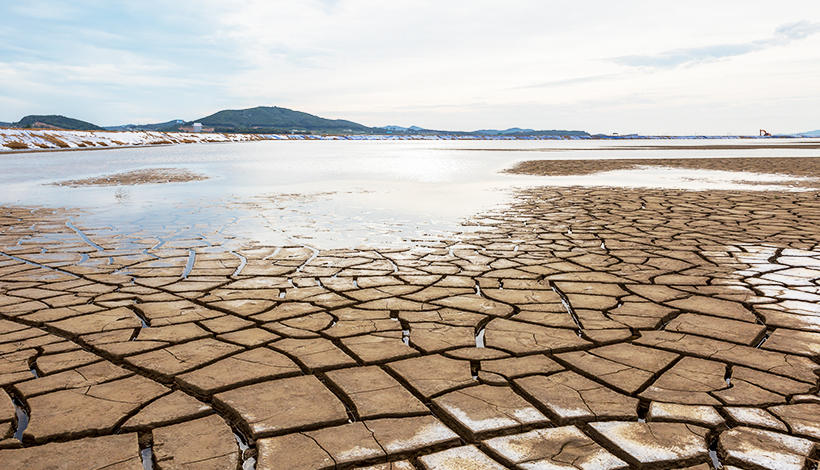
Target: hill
(162,126)
(56,122)
(267,119)
(514,130)
(5,124)
(810,134)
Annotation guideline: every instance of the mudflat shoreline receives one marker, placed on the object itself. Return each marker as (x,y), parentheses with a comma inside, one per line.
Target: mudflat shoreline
(800,166)
(634,328)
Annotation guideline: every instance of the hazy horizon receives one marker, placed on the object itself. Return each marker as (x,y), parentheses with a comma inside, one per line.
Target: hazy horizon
(632,67)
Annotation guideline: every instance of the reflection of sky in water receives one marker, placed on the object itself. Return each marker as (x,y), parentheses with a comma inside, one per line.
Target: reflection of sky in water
(331,194)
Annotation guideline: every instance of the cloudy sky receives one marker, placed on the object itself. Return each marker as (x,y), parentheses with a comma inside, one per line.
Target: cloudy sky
(650,67)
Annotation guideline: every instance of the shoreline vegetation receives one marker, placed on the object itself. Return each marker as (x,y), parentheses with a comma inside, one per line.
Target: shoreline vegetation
(27,140)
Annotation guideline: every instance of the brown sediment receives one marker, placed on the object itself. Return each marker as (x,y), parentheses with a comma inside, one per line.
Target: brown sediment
(132,178)
(801,166)
(599,309)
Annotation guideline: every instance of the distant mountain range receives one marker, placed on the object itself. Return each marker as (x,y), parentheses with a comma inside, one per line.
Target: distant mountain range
(276,120)
(511,132)
(266,120)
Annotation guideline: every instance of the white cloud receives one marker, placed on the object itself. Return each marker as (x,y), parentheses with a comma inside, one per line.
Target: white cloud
(784,34)
(450,65)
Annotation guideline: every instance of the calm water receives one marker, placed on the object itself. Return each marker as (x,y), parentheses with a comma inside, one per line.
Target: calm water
(330,194)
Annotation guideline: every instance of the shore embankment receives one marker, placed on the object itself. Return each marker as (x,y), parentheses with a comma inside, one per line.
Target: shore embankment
(27,140)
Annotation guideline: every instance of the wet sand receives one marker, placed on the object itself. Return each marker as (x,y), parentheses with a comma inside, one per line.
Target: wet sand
(627,328)
(131,178)
(804,166)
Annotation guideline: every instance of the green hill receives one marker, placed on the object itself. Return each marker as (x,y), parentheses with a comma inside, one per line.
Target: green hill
(264,119)
(56,121)
(162,126)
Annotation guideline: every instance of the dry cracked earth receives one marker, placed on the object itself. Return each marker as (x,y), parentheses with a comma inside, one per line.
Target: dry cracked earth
(583,329)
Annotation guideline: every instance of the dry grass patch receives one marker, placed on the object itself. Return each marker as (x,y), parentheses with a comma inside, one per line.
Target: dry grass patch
(14,145)
(55,141)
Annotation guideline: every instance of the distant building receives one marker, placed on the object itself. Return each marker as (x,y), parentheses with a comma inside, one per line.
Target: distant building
(197,127)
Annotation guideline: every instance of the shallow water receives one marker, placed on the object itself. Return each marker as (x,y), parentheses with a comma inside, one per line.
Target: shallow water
(330,194)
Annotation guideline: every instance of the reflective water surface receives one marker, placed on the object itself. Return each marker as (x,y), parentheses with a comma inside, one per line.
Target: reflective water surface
(329,194)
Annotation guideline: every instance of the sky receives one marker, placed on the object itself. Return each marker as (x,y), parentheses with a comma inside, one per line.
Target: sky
(647,67)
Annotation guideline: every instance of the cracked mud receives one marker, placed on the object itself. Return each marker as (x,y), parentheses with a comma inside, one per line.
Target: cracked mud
(585,328)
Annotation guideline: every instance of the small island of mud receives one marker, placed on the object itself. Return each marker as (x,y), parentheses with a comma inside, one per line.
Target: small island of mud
(135,177)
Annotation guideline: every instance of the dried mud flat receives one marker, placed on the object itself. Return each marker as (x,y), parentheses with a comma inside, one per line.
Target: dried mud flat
(802,167)
(586,329)
(132,178)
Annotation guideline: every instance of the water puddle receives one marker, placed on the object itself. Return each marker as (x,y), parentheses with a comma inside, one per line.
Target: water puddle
(312,257)
(22,418)
(82,235)
(273,255)
(242,263)
(479,337)
(246,453)
(713,454)
(190,264)
(147,456)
